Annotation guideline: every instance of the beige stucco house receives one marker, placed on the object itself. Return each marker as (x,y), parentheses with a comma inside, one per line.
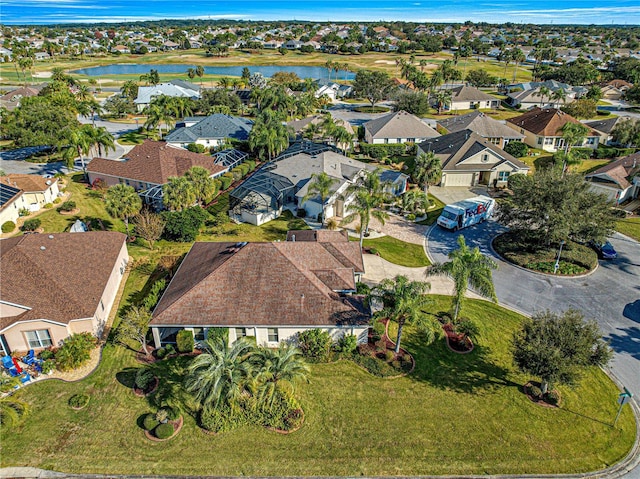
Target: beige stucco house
(37,191)
(12,200)
(397,127)
(52,293)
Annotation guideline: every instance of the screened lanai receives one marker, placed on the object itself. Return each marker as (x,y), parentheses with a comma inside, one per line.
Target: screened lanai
(261,197)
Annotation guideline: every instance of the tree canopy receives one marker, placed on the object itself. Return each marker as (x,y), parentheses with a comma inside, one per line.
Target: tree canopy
(375,86)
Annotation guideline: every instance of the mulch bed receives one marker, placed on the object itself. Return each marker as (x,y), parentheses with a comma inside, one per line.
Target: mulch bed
(177,426)
(456,342)
(142,358)
(142,393)
(74,211)
(537,400)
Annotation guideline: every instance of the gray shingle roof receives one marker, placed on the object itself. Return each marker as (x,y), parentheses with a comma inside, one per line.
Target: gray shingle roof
(469,93)
(147,93)
(216,126)
(481,124)
(399,125)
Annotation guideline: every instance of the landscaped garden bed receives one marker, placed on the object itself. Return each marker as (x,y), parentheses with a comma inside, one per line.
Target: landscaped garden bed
(576,259)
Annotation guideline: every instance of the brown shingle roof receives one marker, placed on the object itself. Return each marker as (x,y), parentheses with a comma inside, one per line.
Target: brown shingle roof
(27,183)
(399,125)
(619,171)
(545,122)
(61,277)
(153,162)
(481,124)
(318,235)
(279,284)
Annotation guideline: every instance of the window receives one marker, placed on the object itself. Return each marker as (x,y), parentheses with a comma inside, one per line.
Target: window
(540,139)
(272,335)
(503,175)
(386,140)
(198,334)
(39,338)
(485,157)
(411,140)
(591,141)
(495,141)
(548,141)
(242,332)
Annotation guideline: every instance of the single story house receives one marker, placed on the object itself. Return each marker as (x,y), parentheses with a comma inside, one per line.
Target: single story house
(615,89)
(210,131)
(605,127)
(468,160)
(465,97)
(493,131)
(147,93)
(528,99)
(148,166)
(37,191)
(618,180)
(52,293)
(12,200)
(269,291)
(11,100)
(543,129)
(397,127)
(332,90)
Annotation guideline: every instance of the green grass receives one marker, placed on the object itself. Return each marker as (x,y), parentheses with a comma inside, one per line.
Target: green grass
(629,227)
(434,211)
(398,252)
(455,414)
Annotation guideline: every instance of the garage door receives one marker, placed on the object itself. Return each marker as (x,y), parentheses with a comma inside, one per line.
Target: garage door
(458,179)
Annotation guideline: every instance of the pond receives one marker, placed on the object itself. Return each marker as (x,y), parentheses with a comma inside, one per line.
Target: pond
(316,72)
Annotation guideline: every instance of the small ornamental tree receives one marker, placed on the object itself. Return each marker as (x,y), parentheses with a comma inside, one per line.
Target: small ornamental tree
(556,347)
(184,341)
(149,226)
(134,326)
(315,344)
(516,148)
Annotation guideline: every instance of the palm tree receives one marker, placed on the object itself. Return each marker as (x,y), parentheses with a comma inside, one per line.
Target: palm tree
(414,200)
(80,142)
(365,206)
(518,57)
(154,114)
(278,369)
(402,301)
(203,185)
(443,98)
(191,73)
(427,170)
(224,83)
(320,185)
(268,136)
(559,96)
(122,201)
(467,268)
(178,193)
(218,376)
(506,57)
(100,139)
(200,73)
(573,134)
(543,92)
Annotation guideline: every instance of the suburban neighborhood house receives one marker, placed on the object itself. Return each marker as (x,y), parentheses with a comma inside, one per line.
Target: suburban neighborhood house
(270,291)
(615,89)
(60,284)
(542,129)
(37,191)
(469,160)
(176,88)
(285,182)
(605,127)
(491,130)
(398,127)
(528,99)
(467,97)
(618,180)
(148,166)
(209,131)
(12,200)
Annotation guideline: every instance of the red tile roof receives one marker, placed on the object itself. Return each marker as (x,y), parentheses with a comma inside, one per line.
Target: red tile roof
(153,162)
(279,284)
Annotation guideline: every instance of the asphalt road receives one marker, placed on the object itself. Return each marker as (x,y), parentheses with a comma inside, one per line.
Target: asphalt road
(611,295)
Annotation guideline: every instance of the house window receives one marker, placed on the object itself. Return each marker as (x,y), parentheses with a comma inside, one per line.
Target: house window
(503,175)
(39,338)
(522,131)
(548,141)
(386,140)
(540,140)
(591,141)
(272,334)
(495,141)
(198,334)
(411,140)
(485,157)
(241,332)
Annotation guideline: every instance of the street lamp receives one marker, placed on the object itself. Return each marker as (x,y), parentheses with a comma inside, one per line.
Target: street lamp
(557,265)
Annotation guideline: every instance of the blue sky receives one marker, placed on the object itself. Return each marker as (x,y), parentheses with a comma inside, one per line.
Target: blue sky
(542,11)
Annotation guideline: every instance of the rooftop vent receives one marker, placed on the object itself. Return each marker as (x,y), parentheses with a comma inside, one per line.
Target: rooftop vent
(42,248)
(50,236)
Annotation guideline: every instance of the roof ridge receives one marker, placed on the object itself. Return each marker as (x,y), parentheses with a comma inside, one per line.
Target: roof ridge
(313,279)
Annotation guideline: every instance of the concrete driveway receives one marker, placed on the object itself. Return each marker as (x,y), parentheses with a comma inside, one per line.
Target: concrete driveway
(452,194)
(611,295)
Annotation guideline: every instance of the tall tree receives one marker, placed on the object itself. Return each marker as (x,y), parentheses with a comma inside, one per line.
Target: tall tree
(627,132)
(365,206)
(443,99)
(468,268)
(573,134)
(427,171)
(148,226)
(200,73)
(279,370)
(134,325)
(375,86)
(403,301)
(203,185)
(178,193)
(218,376)
(556,347)
(268,136)
(122,201)
(320,185)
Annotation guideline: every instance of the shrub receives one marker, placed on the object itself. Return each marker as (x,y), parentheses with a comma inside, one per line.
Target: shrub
(56,201)
(170,349)
(552,397)
(75,351)
(8,226)
(389,355)
(24,212)
(396,364)
(184,341)
(150,422)
(515,180)
(362,288)
(68,206)
(411,217)
(381,345)
(31,224)
(251,164)
(47,366)
(47,354)
(172,413)
(195,148)
(293,419)
(144,378)
(535,391)
(226,180)
(161,353)
(348,343)
(164,431)
(236,173)
(516,148)
(154,294)
(383,151)
(162,415)
(221,333)
(48,206)
(185,225)
(220,420)
(78,401)
(315,344)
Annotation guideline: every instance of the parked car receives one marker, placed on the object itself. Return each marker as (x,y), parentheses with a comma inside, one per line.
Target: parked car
(604,250)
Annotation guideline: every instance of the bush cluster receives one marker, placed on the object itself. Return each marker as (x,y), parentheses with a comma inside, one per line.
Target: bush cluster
(31,224)
(184,226)
(165,351)
(184,341)
(78,400)
(611,152)
(164,431)
(144,379)
(150,422)
(315,345)
(383,151)
(67,206)
(8,226)
(225,181)
(75,351)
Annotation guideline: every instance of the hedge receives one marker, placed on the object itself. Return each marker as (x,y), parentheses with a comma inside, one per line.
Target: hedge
(611,152)
(383,151)
(8,227)
(226,180)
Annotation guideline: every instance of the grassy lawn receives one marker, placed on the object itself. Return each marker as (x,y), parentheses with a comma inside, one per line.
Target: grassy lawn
(398,252)
(587,166)
(455,414)
(434,211)
(502,114)
(630,227)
